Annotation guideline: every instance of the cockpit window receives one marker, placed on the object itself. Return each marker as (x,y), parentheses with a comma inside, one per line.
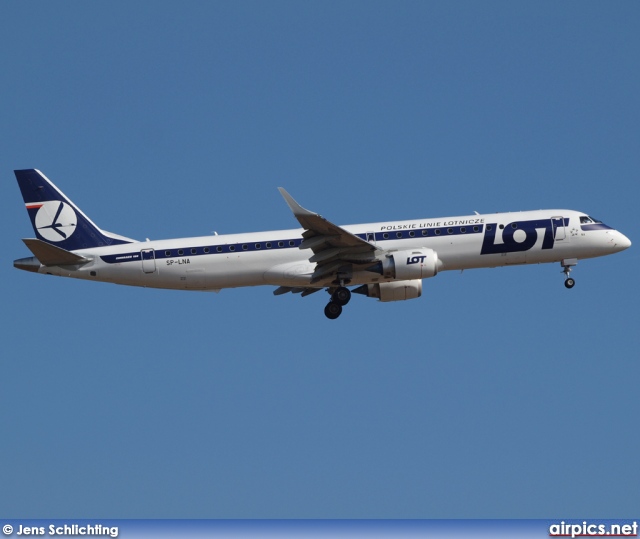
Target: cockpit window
(585,220)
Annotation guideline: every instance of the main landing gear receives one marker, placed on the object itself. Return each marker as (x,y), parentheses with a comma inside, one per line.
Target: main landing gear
(567,266)
(339,298)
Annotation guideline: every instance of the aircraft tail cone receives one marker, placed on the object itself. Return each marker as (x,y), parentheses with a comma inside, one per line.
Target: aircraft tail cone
(30,263)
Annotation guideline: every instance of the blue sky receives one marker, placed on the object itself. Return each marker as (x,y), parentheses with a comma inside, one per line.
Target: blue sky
(497,394)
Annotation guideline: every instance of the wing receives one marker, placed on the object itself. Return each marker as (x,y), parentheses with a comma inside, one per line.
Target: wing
(335,250)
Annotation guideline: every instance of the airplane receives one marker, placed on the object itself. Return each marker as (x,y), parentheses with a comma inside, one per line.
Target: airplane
(386,260)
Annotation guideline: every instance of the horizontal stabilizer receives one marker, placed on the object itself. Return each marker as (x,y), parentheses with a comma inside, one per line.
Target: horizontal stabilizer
(50,255)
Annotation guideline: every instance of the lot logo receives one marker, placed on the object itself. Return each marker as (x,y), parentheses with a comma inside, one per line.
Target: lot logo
(56,221)
(415,260)
(523,235)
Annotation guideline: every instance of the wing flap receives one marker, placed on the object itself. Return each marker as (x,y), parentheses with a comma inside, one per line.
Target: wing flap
(315,241)
(303,291)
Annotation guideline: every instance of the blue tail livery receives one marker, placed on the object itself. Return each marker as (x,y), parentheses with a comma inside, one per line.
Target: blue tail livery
(57,220)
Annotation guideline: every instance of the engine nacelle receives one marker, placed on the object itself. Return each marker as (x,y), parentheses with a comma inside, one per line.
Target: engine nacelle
(394,291)
(408,265)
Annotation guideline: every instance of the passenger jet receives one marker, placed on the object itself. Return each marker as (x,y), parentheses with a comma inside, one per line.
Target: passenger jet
(386,260)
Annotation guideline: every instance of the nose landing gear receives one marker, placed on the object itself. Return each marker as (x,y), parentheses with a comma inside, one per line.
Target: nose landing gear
(339,298)
(567,265)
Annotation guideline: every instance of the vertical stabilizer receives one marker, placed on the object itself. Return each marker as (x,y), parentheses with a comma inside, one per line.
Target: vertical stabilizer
(55,219)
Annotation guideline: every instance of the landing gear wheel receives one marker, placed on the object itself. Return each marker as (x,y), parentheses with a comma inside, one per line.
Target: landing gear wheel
(567,265)
(332,310)
(341,296)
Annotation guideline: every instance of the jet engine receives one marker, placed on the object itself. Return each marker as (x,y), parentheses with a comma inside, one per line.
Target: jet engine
(408,265)
(394,291)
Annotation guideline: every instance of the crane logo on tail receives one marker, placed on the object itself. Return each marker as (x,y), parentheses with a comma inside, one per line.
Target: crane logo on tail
(55,221)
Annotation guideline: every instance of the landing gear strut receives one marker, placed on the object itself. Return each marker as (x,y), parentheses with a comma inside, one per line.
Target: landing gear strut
(567,265)
(339,297)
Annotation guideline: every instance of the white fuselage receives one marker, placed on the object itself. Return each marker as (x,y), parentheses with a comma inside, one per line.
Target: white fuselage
(275,257)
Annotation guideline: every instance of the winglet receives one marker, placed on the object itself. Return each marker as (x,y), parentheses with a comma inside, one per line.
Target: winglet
(295,207)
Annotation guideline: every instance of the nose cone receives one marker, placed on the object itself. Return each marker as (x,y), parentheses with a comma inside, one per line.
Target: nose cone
(621,242)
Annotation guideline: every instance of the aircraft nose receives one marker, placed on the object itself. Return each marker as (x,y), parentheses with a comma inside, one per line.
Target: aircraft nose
(618,241)
(623,242)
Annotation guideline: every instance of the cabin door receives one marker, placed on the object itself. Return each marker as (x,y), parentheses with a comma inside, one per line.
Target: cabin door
(557,223)
(148,260)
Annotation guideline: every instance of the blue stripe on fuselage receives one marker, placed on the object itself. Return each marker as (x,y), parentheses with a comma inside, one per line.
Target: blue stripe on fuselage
(244,247)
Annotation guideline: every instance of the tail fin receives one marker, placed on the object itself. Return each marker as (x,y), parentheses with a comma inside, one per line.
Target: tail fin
(57,220)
